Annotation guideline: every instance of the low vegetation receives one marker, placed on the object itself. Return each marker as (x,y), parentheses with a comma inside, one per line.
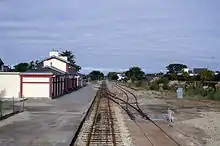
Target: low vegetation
(96,75)
(202,86)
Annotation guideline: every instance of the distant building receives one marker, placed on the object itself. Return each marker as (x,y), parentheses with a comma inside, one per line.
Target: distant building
(151,76)
(197,71)
(59,62)
(1,65)
(61,73)
(7,68)
(186,70)
(4,68)
(191,74)
(217,73)
(54,77)
(121,76)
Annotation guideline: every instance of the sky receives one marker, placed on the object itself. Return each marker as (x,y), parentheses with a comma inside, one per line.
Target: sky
(113,35)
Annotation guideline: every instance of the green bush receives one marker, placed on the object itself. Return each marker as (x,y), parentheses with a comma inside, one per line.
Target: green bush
(154,86)
(138,83)
(164,81)
(197,90)
(160,83)
(214,95)
(210,95)
(166,87)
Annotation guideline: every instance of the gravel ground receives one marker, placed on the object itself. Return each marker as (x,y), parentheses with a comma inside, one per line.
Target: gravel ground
(195,122)
(210,123)
(125,136)
(141,132)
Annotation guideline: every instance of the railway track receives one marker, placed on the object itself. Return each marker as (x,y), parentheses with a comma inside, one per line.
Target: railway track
(99,125)
(148,128)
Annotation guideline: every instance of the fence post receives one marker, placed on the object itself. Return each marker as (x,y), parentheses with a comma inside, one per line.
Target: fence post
(0,109)
(23,104)
(13,104)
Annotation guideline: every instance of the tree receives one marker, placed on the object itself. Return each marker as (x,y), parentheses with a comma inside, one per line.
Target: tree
(31,65)
(185,75)
(112,76)
(96,75)
(21,67)
(135,73)
(69,55)
(71,58)
(173,76)
(37,62)
(175,68)
(206,75)
(78,68)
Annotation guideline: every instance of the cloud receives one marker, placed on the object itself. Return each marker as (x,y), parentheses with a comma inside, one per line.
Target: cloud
(143,33)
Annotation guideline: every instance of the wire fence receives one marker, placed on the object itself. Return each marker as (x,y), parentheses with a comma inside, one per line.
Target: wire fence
(10,106)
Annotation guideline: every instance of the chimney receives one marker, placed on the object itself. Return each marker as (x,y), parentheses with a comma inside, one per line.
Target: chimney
(63,57)
(54,53)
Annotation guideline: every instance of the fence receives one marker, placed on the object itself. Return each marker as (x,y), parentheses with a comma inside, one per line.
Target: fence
(10,106)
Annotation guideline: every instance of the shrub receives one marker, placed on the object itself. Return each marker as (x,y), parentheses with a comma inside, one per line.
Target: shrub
(201,92)
(163,81)
(214,95)
(159,83)
(138,83)
(154,86)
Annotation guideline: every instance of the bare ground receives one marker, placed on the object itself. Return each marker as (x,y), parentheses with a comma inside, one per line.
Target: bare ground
(195,122)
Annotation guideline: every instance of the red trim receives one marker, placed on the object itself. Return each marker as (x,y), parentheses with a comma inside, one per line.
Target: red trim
(36,82)
(36,75)
(67,68)
(51,86)
(21,86)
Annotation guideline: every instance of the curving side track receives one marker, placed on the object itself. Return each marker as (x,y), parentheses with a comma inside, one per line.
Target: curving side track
(99,126)
(161,136)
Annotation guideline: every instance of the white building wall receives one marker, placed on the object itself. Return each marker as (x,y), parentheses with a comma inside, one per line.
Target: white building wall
(36,87)
(186,70)
(37,80)
(56,63)
(36,90)
(9,85)
(78,81)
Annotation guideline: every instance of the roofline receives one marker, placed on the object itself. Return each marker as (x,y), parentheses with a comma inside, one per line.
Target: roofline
(10,73)
(56,69)
(65,61)
(36,73)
